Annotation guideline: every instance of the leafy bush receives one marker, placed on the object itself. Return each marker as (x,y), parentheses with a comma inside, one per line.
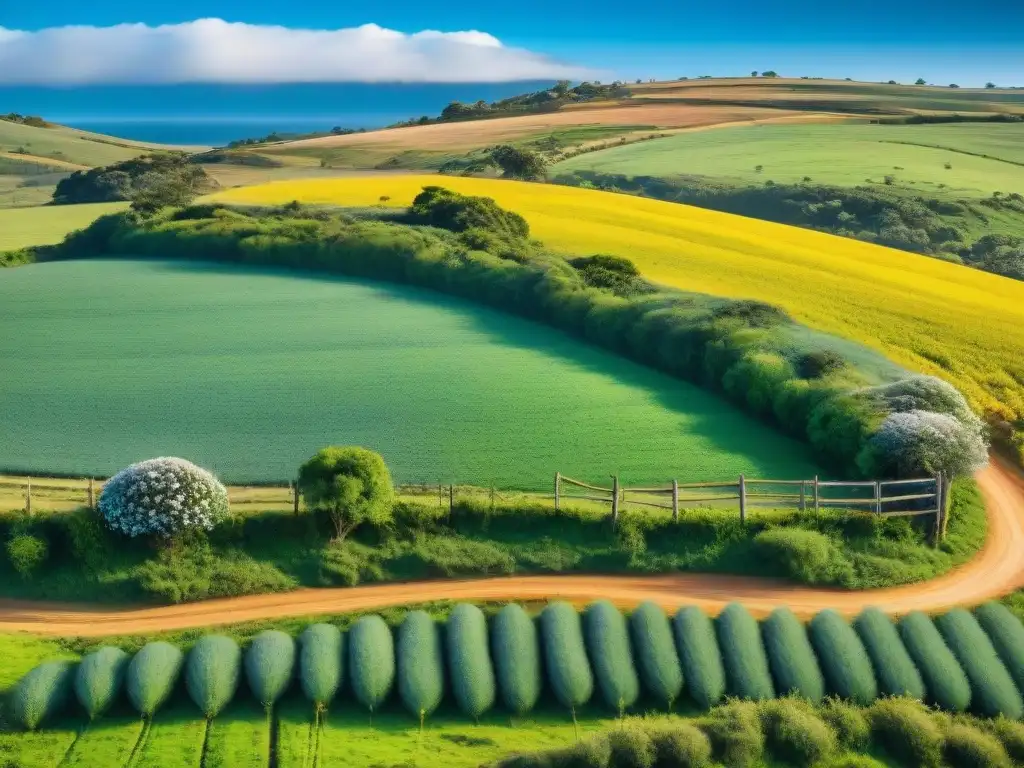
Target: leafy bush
(469,660)
(443,208)
(212,671)
(795,733)
(1007,635)
(657,661)
(699,656)
(594,752)
(735,734)
(152,674)
(844,662)
(791,657)
(848,722)
(352,484)
(993,690)
(945,682)
(371,661)
(42,693)
(806,556)
(631,748)
(26,553)
(565,655)
(905,729)
(99,678)
(1011,735)
(321,662)
(970,747)
(746,665)
(517,659)
(610,655)
(131,179)
(856,761)
(270,666)
(420,663)
(895,670)
(681,745)
(919,443)
(163,496)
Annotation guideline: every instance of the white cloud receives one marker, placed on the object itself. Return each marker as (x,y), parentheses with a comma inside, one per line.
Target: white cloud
(213,50)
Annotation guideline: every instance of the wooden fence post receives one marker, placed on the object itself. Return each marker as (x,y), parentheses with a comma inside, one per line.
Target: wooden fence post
(816,494)
(939,508)
(878,497)
(743,500)
(558,483)
(803,495)
(615,498)
(92,495)
(675,501)
(295,497)
(28,496)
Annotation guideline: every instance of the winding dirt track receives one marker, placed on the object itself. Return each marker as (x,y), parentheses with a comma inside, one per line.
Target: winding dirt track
(998,569)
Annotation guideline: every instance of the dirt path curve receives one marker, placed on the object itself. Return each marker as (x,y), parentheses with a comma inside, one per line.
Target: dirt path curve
(998,569)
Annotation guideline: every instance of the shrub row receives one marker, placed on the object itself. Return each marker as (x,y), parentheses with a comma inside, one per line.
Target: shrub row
(953,662)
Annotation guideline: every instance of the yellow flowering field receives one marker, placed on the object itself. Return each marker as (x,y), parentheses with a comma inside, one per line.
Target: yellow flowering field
(961,324)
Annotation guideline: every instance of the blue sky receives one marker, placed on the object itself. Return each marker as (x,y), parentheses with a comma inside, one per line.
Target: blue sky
(968,43)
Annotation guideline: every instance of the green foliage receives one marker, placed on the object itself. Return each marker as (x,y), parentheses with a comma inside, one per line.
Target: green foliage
(99,678)
(212,672)
(655,651)
(270,666)
(519,163)
(791,657)
(610,655)
(469,660)
(152,674)
(321,662)
(1007,635)
(420,663)
(844,661)
(795,733)
(848,722)
(809,557)
(517,659)
(611,273)
(681,745)
(26,553)
(443,208)
(153,180)
(42,693)
(969,747)
(565,654)
(371,661)
(743,654)
(895,670)
(631,747)
(352,484)
(993,690)
(699,656)
(735,733)
(945,681)
(908,733)
(1011,735)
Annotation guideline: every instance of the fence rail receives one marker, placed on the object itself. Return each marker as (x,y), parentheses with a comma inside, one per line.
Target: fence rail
(866,497)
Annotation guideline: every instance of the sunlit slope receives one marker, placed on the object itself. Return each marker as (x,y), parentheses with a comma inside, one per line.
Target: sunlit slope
(959,323)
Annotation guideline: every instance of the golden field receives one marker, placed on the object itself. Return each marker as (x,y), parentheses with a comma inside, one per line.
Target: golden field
(961,324)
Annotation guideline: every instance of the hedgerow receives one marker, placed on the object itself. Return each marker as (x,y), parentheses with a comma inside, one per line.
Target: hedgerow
(968,747)
(517,658)
(1010,734)
(895,671)
(371,661)
(99,679)
(681,745)
(699,656)
(611,657)
(420,663)
(631,747)
(791,657)
(212,671)
(655,651)
(469,660)
(1007,635)
(908,733)
(746,665)
(321,662)
(844,662)
(43,692)
(795,733)
(565,655)
(993,690)
(735,733)
(152,675)
(848,721)
(270,666)
(945,682)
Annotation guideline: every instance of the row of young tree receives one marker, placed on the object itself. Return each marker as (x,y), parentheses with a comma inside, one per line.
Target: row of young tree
(958,662)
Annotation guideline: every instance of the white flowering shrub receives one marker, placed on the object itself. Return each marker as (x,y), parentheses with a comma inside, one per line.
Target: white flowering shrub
(925,393)
(916,443)
(163,496)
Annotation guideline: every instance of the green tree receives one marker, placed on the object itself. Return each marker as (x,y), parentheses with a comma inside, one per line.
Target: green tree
(351,484)
(516,163)
(754,73)
(920,81)
(953,85)
(990,85)
(770,73)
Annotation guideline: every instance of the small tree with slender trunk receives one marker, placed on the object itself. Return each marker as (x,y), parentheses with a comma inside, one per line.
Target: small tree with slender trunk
(351,484)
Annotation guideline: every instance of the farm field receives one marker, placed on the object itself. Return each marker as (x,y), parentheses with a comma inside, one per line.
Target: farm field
(46,224)
(249,373)
(944,319)
(842,155)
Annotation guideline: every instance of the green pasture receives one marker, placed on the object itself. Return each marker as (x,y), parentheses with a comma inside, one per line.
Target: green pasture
(69,145)
(250,372)
(47,224)
(984,158)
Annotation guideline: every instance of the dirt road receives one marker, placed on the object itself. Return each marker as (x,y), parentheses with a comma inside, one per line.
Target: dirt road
(998,569)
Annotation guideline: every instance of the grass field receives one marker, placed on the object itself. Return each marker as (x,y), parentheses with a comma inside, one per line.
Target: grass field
(843,155)
(45,225)
(69,145)
(249,373)
(964,325)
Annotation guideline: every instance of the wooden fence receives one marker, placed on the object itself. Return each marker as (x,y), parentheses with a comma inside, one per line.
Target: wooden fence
(885,498)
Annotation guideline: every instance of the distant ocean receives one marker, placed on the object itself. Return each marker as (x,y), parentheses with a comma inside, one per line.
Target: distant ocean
(217,114)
